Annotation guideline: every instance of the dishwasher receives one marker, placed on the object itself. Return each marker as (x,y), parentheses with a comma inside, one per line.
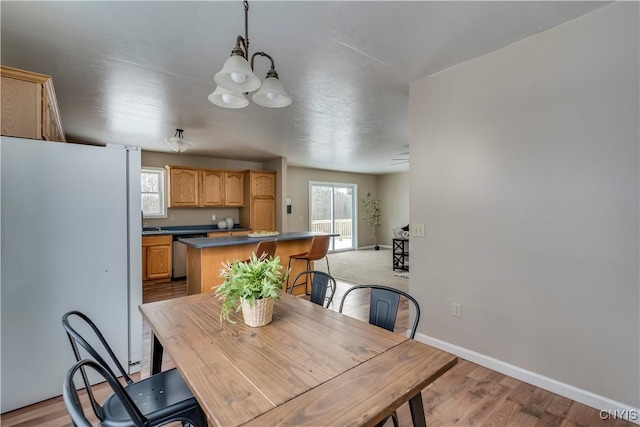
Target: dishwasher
(180,255)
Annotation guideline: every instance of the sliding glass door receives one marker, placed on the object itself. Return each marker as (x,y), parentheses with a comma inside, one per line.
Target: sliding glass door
(333,210)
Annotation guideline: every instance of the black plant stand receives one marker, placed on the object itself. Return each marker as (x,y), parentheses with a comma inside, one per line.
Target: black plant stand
(401,254)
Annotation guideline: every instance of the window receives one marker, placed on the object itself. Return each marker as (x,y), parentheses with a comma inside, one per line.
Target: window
(153,196)
(333,208)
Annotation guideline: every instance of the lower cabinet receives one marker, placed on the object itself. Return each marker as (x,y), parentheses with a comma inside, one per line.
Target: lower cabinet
(219,234)
(156,257)
(228,233)
(263,214)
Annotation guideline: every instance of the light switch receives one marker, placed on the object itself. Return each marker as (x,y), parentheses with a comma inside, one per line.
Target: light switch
(418,230)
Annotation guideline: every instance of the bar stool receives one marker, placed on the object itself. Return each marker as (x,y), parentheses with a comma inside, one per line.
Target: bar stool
(265,247)
(317,250)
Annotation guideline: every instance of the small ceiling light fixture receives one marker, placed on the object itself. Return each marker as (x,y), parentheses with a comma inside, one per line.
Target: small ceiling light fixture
(178,142)
(236,78)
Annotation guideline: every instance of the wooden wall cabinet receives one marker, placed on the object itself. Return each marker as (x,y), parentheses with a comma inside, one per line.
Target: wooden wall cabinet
(156,257)
(263,184)
(234,188)
(259,212)
(184,187)
(195,188)
(29,106)
(212,193)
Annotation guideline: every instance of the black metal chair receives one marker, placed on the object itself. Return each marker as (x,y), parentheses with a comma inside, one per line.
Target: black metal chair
(383,310)
(156,400)
(321,282)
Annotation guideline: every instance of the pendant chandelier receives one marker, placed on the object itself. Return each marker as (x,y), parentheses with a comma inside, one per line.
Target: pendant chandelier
(179,143)
(236,79)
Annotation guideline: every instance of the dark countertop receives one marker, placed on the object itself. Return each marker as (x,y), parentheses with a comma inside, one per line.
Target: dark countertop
(189,229)
(209,242)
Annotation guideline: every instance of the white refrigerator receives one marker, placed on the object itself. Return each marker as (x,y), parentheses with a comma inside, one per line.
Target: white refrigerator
(70,240)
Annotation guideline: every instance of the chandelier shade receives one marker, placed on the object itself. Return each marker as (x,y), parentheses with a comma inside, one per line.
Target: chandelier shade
(271,94)
(179,143)
(237,78)
(227,98)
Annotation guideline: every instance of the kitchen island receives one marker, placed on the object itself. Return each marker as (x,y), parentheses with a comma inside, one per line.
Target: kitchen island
(205,256)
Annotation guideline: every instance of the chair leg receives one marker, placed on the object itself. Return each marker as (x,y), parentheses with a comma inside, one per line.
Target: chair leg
(306,283)
(394,418)
(327,259)
(289,276)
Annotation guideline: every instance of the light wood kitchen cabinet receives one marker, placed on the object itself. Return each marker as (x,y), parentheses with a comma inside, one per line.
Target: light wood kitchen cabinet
(184,187)
(216,234)
(212,193)
(228,233)
(29,106)
(263,214)
(263,184)
(234,189)
(156,257)
(259,212)
(193,188)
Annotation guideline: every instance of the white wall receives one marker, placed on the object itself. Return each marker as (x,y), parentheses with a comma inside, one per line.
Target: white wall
(529,193)
(393,191)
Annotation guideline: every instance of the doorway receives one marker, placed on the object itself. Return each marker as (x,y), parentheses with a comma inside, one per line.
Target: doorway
(333,210)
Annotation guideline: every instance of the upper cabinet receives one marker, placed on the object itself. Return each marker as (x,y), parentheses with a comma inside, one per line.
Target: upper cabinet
(259,211)
(191,187)
(212,188)
(29,106)
(234,188)
(263,185)
(184,186)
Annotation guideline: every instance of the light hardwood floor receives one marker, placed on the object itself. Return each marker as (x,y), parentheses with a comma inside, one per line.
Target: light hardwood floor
(467,395)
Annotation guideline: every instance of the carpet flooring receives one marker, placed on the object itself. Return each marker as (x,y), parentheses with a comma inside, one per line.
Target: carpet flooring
(364,267)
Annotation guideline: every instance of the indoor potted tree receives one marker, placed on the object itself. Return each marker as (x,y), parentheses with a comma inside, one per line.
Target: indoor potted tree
(252,285)
(372,211)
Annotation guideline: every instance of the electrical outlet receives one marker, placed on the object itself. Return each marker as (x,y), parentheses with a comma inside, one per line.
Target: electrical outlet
(172,218)
(418,230)
(457,309)
(213,217)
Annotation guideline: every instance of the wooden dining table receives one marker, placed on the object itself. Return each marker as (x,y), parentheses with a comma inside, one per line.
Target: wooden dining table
(310,366)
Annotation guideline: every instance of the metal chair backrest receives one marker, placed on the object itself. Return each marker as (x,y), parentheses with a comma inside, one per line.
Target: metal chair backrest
(319,248)
(266,247)
(383,306)
(74,405)
(75,338)
(320,284)
(163,397)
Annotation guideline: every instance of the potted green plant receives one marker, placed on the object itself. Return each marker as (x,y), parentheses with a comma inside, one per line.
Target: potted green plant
(253,286)
(372,211)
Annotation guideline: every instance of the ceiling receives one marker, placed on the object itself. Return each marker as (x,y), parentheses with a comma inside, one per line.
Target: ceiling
(132,72)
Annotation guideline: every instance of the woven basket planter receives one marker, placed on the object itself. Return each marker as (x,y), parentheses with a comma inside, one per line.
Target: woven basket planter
(259,314)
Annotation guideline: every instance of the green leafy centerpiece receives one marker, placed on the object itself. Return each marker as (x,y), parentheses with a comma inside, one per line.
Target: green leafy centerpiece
(253,286)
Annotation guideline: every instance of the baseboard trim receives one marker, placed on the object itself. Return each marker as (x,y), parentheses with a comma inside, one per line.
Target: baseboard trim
(360,248)
(608,407)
